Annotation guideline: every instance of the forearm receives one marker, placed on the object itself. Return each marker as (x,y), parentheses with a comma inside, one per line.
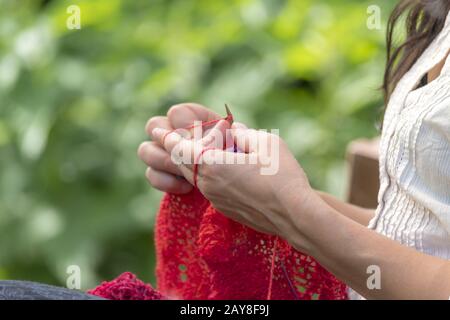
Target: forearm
(357,214)
(347,249)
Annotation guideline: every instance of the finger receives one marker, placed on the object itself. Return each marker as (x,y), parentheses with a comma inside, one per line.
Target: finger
(218,136)
(236,125)
(167,182)
(246,139)
(192,151)
(157,122)
(153,155)
(166,138)
(181,151)
(184,114)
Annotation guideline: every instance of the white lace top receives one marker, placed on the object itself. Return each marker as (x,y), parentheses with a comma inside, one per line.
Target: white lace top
(414,196)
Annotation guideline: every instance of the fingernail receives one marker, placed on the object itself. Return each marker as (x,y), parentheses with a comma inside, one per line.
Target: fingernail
(157,132)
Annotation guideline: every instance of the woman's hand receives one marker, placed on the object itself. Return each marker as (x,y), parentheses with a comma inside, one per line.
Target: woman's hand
(162,173)
(257,187)
(282,202)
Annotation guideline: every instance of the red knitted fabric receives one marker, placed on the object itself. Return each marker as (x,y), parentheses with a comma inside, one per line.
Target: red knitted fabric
(201,254)
(126,287)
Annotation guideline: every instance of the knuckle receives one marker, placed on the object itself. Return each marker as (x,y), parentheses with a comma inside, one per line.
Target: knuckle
(167,162)
(209,170)
(154,122)
(173,110)
(207,186)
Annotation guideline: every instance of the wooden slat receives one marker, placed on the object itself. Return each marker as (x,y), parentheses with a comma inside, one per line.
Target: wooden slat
(363,183)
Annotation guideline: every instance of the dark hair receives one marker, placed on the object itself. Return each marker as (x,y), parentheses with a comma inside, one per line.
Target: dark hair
(424,20)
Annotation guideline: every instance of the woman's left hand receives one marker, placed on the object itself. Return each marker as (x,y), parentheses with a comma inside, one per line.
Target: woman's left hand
(257,187)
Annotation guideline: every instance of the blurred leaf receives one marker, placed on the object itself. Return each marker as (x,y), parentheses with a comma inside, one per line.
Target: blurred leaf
(74,103)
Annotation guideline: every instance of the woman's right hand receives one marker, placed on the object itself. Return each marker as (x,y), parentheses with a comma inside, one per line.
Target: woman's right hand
(162,173)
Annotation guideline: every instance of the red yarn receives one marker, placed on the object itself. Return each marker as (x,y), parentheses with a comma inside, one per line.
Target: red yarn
(201,254)
(196,163)
(126,287)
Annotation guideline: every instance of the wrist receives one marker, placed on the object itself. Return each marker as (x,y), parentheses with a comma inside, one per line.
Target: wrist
(307,213)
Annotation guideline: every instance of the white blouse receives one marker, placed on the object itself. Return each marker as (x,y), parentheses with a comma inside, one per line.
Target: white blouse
(414,197)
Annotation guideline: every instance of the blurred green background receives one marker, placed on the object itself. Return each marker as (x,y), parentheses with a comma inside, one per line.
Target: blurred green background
(73,105)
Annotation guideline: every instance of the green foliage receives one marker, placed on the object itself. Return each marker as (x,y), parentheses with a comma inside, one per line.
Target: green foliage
(73,105)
